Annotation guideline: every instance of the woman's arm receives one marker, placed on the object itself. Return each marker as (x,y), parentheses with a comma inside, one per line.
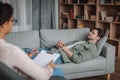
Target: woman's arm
(20,60)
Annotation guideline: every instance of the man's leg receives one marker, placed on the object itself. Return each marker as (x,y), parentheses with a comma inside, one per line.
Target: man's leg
(58,72)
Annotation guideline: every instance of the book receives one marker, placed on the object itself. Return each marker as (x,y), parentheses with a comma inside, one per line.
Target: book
(86,14)
(43,58)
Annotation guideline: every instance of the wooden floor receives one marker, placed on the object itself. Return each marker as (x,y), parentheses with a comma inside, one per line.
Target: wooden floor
(114,76)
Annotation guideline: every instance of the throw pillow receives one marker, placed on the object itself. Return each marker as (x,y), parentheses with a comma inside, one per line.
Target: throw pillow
(101,43)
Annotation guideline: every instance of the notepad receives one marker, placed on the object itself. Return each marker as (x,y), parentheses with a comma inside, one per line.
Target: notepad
(43,58)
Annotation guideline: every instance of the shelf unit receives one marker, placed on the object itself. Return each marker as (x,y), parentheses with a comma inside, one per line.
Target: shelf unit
(92,13)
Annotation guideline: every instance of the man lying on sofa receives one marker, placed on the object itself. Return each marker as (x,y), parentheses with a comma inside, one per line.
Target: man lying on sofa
(80,52)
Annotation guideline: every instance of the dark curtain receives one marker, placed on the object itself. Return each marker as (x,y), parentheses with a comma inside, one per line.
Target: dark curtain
(43,14)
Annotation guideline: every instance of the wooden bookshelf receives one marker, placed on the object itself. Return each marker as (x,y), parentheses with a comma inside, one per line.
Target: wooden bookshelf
(92,13)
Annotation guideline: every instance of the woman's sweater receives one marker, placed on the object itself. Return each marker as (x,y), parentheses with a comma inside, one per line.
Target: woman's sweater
(13,56)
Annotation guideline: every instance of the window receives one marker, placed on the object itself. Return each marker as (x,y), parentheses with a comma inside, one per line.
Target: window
(23,13)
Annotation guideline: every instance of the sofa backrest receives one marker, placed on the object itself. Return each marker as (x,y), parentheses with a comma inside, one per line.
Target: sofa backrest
(25,39)
(49,37)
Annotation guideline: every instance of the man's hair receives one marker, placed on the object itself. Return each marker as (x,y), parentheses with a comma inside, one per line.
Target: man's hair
(6,12)
(100,32)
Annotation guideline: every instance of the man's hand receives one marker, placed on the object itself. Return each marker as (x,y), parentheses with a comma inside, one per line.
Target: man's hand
(35,51)
(60,44)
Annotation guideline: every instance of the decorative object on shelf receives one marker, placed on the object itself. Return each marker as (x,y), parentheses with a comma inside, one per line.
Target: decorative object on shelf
(103,15)
(65,15)
(81,26)
(102,1)
(93,17)
(109,18)
(65,26)
(79,17)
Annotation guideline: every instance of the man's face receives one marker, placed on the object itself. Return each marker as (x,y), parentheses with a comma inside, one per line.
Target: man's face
(93,35)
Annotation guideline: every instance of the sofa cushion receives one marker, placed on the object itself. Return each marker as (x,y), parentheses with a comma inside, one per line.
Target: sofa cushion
(49,37)
(25,39)
(100,44)
(98,63)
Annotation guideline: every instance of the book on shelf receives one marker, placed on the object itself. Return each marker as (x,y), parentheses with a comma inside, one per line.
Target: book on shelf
(102,1)
(91,2)
(69,1)
(71,14)
(93,17)
(117,17)
(109,18)
(44,58)
(82,1)
(75,1)
(86,14)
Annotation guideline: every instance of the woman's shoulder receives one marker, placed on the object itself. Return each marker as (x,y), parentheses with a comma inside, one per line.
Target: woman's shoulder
(13,48)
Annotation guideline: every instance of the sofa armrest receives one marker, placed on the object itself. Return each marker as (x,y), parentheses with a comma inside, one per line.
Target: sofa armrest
(108,52)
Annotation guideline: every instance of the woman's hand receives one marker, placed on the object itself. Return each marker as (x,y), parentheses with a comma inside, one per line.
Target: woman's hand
(30,54)
(51,64)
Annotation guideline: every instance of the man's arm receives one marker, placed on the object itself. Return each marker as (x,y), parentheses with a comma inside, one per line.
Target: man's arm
(61,45)
(67,51)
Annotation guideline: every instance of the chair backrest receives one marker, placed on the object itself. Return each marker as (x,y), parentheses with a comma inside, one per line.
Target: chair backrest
(57,78)
(7,74)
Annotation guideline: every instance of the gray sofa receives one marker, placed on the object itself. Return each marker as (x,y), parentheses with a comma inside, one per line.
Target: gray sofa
(103,64)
